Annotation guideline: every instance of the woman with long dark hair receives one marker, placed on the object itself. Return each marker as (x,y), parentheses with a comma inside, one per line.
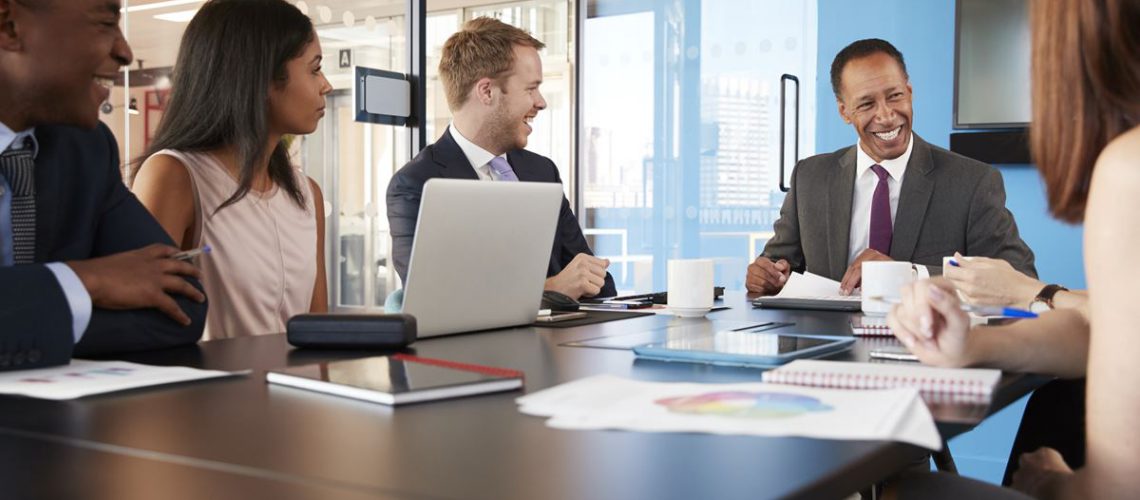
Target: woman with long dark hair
(1085,139)
(218,172)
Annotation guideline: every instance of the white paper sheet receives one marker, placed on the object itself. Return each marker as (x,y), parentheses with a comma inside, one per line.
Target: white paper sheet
(84,378)
(757,409)
(809,285)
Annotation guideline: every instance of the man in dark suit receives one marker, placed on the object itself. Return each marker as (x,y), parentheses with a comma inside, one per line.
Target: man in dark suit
(84,269)
(890,197)
(491,72)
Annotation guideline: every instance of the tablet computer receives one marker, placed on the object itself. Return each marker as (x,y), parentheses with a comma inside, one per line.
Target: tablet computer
(744,348)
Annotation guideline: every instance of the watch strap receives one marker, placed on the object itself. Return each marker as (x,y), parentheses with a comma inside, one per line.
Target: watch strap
(1046,294)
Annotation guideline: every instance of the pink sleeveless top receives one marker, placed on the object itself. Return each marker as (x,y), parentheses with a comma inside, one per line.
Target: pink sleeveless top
(263,265)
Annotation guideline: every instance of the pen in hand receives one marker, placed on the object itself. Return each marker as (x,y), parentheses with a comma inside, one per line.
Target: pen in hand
(188,255)
(1009,312)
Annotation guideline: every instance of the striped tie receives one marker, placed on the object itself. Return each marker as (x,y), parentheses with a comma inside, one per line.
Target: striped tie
(18,168)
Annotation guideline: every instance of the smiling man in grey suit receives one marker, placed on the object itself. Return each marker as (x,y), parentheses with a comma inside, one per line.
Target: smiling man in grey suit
(892,196)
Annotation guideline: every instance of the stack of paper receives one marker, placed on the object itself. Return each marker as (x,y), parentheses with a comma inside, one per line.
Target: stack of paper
(755,409)
(802,285)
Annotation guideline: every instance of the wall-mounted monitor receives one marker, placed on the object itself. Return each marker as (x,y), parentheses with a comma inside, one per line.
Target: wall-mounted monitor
(991,67)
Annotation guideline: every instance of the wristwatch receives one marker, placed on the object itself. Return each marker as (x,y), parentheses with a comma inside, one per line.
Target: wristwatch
(1044,299)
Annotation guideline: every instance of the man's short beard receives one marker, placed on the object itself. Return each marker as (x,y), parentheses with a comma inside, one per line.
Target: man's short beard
(503,130)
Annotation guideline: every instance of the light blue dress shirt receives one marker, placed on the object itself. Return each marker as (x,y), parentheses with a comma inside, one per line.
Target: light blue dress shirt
(77,297)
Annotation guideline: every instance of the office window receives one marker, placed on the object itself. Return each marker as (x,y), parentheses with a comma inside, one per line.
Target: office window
(354,161)
(681,130)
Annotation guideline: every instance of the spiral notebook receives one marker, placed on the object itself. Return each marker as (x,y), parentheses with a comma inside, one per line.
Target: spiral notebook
(851,375)
(870,326)
(876,326)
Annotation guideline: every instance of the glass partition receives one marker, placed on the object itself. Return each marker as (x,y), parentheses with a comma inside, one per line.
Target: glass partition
(681,132)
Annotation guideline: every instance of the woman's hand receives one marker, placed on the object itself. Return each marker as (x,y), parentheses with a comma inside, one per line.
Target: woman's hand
(931,323)
(1041,473)
(991,282)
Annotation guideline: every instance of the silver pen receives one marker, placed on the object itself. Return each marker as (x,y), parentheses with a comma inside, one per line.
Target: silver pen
(188,255)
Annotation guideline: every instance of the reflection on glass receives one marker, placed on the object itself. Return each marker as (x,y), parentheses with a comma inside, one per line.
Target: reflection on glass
(354,160)
(680,133)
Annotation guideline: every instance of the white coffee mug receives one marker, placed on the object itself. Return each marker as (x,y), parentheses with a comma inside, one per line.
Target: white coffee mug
(690,287)
(884,280)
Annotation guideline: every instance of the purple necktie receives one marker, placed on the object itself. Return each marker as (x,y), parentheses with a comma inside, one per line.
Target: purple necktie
(503,169)
(881,226)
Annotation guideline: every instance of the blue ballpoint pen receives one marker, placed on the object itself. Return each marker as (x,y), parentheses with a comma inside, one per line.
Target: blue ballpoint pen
(1009,312)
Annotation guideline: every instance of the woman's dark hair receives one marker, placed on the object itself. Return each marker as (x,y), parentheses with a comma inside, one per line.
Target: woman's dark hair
(1086,91)
(231,52)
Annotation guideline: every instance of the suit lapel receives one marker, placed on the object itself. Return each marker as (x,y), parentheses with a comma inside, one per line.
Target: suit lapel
(841,191)
(914,197)
(47,194)
(447,154)
(516,161)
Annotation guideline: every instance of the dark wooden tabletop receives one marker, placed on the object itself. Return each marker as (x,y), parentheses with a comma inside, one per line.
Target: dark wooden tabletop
(245,435)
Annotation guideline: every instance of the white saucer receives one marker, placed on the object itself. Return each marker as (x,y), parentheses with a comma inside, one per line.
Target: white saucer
(689,312)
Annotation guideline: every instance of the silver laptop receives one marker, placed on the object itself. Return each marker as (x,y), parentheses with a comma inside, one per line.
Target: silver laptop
(480,254)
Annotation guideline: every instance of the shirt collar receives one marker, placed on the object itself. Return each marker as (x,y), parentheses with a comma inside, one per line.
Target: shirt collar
(16,139)
(475,154)
(895,167)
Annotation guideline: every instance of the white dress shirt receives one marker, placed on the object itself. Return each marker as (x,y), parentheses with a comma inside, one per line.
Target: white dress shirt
(479,158)
(77,297)
(865,183)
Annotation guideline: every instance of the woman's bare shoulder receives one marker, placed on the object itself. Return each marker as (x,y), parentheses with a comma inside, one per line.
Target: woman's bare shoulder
(1121,158)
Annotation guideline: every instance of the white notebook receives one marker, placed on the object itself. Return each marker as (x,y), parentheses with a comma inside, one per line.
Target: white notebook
(850,375)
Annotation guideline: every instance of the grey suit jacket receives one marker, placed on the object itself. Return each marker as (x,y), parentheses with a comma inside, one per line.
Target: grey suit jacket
(947,203)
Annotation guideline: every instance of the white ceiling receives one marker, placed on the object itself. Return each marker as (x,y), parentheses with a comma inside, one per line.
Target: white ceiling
(155,41)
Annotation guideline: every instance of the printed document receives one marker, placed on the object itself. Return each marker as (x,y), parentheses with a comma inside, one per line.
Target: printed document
(84,378)
(753,408)
(808,285)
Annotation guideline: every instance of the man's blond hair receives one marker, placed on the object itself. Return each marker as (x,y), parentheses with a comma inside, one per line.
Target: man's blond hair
(483,48)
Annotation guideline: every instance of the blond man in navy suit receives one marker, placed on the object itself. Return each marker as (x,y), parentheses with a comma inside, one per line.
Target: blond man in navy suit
(491,74)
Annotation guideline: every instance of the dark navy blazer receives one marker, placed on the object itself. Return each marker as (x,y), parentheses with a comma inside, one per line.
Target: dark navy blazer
(83,210)
(445,159)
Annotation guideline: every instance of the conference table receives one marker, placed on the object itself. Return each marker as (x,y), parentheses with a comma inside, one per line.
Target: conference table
(240,437)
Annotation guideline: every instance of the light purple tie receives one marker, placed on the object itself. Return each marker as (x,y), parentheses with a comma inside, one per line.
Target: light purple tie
(503,169)
(881,226)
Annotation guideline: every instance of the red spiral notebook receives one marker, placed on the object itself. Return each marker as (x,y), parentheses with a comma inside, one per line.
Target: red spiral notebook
(398,379)
(851,375)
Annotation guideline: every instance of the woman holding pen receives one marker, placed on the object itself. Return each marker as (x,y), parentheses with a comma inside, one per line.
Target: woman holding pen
(219,174)
(1086,142)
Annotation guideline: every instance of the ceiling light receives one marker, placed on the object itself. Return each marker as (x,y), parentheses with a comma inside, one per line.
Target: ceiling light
(160,5)
(182,16)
